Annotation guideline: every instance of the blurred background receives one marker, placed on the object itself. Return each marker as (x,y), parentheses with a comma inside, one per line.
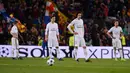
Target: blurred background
(33,16)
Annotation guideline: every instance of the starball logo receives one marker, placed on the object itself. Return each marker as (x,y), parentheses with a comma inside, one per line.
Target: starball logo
(4,52)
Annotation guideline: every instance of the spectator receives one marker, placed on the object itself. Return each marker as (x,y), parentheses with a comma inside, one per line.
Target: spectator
(128,40)
(40,41)
(1,34)
(34,35)
(123,40)
(31,12)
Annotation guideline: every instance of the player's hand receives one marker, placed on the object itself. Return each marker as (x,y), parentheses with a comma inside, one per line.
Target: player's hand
(58,40)
(120,38)
(15,37)
(75,33)
(113,38)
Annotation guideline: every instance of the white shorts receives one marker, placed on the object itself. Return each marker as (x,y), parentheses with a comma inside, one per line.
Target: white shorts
(116,43)
(15,43)
(79,41)
(53,42)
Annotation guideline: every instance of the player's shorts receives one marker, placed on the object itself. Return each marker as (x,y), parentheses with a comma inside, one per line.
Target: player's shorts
(15,43)
(116,43)
(53,42)
(79,41)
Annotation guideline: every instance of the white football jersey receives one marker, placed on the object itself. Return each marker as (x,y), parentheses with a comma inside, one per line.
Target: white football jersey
(52,30)
(14,29)
(116,31)
(78,26)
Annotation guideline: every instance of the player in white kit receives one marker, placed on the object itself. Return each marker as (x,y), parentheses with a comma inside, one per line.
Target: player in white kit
(15,42)
(116,39)
(78,32)
(52,36)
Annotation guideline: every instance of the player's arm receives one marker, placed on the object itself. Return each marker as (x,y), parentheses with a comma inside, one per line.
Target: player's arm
(109,33)
(57,33)
(12,32)
(121,33)
(69,27)
(14,35)
(58,36)
(46,32)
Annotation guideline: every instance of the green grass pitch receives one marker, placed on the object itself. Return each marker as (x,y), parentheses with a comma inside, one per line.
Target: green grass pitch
(69,65)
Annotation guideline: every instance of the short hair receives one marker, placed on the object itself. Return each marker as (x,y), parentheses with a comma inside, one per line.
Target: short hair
(116,20)
(78,13)
(15,22)
(53,16)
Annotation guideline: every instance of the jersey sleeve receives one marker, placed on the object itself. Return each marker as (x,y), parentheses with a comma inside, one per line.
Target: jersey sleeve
(72,23)
(69,26)
(57,29)
(121,29)
(11,30)
(111,30)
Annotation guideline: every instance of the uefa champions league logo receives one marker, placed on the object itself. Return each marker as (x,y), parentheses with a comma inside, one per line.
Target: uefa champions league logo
(4,52)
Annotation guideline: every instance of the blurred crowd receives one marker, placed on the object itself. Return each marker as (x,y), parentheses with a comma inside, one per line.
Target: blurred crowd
(97,15)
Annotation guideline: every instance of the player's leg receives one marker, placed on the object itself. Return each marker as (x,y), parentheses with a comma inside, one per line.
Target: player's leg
(56,44)
(13,48)
(114,47)
(58,54)
(76,45)
(85,50)
(50,52)
(50,47)
(17,49)
(75,53)
(115,53)
(119,46)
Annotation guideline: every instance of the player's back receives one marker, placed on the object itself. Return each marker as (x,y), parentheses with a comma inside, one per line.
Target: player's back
(14,29)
